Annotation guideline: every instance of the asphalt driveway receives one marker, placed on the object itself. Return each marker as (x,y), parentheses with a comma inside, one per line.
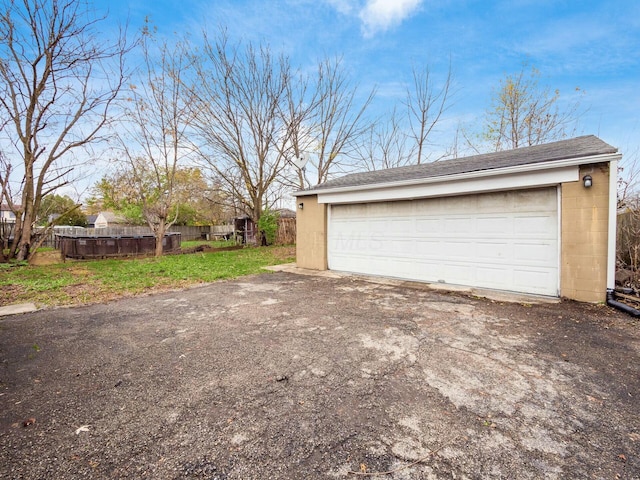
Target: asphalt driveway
(291,377)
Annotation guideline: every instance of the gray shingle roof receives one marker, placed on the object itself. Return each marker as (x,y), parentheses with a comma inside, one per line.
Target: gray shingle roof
(585,146)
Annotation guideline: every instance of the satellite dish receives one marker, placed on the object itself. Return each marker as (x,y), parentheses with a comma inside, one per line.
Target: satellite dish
(300,161)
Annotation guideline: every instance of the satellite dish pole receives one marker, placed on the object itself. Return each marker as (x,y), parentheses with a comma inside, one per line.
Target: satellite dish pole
(300,162)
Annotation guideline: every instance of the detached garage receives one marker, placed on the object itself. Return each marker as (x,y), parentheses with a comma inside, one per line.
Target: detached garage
(537,220)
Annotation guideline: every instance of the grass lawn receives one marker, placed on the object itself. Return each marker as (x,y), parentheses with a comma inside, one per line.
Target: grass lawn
(74,283)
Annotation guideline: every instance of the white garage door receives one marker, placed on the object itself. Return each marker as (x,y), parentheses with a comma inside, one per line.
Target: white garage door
(501,240)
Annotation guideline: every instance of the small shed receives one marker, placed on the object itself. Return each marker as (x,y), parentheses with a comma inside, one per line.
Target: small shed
(245,229)
(537,220)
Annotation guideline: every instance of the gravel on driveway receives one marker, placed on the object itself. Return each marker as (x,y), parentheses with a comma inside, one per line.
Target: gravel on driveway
(282,376)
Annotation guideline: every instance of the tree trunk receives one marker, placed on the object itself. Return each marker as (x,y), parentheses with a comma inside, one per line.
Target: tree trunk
(24,242)
(159,238)
(53,99)
(257,213)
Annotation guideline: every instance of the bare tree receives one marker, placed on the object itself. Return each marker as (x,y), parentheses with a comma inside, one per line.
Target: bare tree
(628,238)
(157,119)
(401,139)
(629,178)
(524,113)
(338,122)
(324,118)
(387,145)
(6,229)
(628,221)
(298,107)
(425,106)
(240,102)
(58,79)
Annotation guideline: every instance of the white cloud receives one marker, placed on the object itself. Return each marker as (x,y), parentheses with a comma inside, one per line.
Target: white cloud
(380,15)
(346,7)
(376,15)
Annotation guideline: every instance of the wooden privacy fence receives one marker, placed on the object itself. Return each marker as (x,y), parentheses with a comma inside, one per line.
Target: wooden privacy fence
(286,233)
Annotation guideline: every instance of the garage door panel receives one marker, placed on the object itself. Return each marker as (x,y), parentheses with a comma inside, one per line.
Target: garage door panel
(534,281)
(456,250)
(537,226)
(427,252)
(378,225)
(435,251)
(348,244)
(458,273)
(535,253)
(494,251)
(493,226)
(362,263)
(401,225)
(492,276)
(504,240)
(345,228)
(457,225)
(452,205)
(350,212)
(532,201)
(428,225)
(407,269)
(495,202)
(402,245)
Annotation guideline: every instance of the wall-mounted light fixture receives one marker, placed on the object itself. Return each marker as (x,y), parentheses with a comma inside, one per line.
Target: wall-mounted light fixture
(301,205)
(587,181)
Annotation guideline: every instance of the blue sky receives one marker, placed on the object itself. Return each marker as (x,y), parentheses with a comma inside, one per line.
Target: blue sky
(593,45)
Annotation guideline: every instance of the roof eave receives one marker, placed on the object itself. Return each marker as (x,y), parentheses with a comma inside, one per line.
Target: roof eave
(529,167)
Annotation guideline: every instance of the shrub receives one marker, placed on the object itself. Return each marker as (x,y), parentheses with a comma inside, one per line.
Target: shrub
(268,225)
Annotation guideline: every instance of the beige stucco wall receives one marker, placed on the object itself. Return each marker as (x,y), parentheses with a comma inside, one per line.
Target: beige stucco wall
(311,236)
(585,217)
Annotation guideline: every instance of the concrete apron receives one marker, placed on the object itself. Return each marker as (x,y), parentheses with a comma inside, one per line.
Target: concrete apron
(496,295)
(17,309)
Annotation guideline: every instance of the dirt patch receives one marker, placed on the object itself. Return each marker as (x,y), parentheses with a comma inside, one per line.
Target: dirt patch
(206,248)
(289,377)
(285,252)
(10,292)
(47,258)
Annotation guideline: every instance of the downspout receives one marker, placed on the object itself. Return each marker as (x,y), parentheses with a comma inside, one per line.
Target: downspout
(611,252)
(611,237)
(612,302)
(612,231)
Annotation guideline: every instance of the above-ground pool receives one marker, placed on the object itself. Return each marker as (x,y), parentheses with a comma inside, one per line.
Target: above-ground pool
(95,246)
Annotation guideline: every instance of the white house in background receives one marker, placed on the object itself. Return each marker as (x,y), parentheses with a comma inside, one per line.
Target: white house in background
(6,215)
(108,219)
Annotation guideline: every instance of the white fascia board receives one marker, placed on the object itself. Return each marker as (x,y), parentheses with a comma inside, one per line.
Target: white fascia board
(512,181)
(467,175)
